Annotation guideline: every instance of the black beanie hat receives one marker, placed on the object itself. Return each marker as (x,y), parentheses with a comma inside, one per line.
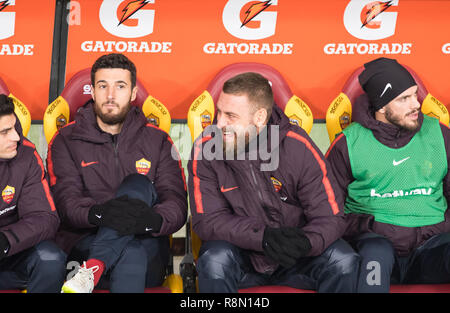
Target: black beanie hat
(383,80)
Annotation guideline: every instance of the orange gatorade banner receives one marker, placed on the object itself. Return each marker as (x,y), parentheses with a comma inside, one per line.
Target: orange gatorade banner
(179,45)
(26,38)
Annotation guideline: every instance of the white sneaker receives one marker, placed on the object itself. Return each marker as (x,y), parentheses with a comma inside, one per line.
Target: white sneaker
(82,282)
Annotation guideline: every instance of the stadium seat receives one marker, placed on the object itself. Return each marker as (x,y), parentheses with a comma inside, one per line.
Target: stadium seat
(202,110)
(201,115)
(19,108)
(62,111)
(339,113)
(78,91)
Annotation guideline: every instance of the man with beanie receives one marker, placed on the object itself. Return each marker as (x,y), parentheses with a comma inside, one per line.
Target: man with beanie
(29,258)
(391,165)
(265,225)
(117,188)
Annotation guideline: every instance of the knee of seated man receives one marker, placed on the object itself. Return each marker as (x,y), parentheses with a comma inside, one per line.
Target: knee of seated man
(376,246)
(48,251)
(216,258)
(342,258)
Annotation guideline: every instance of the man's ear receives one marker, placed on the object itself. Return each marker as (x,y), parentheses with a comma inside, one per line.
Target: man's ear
(134,93)
(92,93)
(260,117)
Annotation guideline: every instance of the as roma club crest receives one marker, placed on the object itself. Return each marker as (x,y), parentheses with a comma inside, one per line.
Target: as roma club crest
(143,166)
(8,194)
(276,184)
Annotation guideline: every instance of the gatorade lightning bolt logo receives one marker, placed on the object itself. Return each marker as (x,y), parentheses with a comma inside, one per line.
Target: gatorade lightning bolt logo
(375,10)
(254,10)
(132,8)
(3,4)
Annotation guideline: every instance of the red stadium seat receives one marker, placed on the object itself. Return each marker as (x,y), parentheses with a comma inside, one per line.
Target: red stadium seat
(339,113)
(202,110)
(78,91)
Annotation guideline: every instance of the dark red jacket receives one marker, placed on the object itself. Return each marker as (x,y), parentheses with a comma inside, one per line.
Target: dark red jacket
(233,200)
(404,239)
(27,211)
(87,165)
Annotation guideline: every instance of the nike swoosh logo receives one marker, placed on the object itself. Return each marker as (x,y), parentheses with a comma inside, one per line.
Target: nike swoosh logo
(98,215)
(84,164)
(395,163)
(148,228)
(388,85)
(227,189)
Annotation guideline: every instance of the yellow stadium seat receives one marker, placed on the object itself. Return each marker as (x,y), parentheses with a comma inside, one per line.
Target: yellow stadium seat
(19,108)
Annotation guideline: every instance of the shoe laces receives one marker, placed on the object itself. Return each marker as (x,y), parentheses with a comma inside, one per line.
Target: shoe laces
(87,274)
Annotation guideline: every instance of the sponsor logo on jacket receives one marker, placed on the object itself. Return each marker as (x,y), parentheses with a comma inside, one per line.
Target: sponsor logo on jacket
(402,193)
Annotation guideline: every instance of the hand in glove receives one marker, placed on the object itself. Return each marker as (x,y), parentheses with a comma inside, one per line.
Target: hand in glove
(147,220)
(285,245)
(116,213)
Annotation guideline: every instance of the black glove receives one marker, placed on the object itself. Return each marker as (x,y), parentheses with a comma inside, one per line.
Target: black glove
(116,213)
(146,221)
(285,245)
(4,246)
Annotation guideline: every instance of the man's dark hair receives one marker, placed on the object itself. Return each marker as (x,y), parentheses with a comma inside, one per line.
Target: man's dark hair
(6,105)
(114,60)
(255,87)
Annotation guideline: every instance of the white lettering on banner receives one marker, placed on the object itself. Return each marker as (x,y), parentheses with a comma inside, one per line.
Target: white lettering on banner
(233,24)
(367,48)
(16,49)
(127,46)
(381,24)
(446,48)
(247,48)
(110,20)
(7,21)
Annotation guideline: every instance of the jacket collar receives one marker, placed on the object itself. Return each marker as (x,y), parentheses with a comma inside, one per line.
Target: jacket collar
(389,135)
(86,127)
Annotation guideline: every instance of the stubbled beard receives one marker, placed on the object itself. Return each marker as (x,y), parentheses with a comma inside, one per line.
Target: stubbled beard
(112,119)
(396,120)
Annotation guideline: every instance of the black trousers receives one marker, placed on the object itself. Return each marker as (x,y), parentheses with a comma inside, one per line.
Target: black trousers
(381,266)
(41,268)
(225,268)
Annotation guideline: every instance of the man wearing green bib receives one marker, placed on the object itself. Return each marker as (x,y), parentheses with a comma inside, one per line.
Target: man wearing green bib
(391,164)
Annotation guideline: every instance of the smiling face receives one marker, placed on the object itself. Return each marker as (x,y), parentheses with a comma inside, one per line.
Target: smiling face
(403,111)
(8,137)
(238,119)
(112,94)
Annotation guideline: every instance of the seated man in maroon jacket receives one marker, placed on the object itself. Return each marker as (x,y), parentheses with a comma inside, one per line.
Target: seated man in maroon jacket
(117,188)
(28,218)
(270,216)
(391,163)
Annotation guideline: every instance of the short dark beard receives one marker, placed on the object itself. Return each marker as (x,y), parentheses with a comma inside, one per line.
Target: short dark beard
(112,119)
(396,121)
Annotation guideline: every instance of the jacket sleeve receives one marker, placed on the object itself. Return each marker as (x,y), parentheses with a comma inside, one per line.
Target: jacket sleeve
(212,217)
(170,185)
(318,195)
(38,219)
(66,185)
